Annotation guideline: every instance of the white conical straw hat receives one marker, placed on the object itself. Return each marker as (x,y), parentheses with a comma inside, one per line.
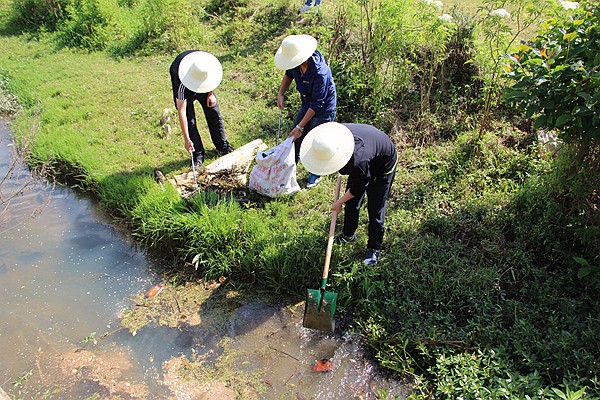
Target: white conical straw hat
(327,148)
(200,72)
(294,50)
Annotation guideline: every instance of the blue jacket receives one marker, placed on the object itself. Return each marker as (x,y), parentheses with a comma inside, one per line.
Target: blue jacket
(316,86)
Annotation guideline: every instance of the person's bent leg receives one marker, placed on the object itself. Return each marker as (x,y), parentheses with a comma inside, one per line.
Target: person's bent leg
(216,127)
(351,212)
(198,154)
(378,192)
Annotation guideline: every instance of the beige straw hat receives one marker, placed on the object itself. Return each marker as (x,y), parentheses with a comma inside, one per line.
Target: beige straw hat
(200,72)
(327,148)
(294,50)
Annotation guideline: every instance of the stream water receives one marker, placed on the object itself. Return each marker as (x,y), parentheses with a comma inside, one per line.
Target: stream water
(66,274)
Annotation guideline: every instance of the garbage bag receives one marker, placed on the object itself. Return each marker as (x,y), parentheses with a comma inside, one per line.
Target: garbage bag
(274,173)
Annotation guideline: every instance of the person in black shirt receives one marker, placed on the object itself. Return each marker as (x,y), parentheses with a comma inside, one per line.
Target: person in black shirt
(369,158)
(194,76)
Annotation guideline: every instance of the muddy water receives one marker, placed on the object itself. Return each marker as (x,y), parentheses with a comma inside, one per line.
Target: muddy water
(66,275)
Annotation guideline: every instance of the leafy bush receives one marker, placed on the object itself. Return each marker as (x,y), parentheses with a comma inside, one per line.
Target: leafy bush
(166,25)
(399,60)
(557,77)
(249,28)
(37,15)
(89,24)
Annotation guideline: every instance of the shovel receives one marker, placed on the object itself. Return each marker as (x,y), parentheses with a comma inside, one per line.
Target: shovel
(320,304)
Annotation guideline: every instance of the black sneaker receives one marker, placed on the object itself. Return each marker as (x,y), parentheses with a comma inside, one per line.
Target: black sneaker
(371,257)
(226,150)
(198,160)
(343,239)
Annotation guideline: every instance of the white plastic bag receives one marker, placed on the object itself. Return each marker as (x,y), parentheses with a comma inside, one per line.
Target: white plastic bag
(275,171)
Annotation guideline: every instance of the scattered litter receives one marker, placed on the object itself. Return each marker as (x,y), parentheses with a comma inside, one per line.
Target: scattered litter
(154,291)
(323,365)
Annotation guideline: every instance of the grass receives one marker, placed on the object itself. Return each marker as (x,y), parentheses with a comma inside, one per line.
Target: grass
(477,293)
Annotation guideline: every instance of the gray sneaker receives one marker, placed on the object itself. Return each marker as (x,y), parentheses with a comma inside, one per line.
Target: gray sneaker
(371,257)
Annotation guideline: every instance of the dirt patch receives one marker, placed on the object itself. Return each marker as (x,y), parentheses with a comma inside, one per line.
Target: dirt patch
(173,306)
(109,371)
(187,381)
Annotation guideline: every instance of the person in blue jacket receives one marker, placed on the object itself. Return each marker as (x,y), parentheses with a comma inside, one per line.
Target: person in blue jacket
(305,65)
(368,156)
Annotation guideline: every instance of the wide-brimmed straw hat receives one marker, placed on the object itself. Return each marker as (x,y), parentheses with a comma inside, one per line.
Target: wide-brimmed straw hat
(327,148)
(294,50)
(200,72)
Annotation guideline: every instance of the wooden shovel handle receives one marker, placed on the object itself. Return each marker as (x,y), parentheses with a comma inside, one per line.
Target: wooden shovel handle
(331,230)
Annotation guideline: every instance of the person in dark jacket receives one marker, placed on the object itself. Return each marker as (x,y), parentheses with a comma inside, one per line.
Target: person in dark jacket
(194,76)
(306,66)
(369,158)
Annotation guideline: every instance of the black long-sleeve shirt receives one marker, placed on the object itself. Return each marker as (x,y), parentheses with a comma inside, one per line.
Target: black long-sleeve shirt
(374,156)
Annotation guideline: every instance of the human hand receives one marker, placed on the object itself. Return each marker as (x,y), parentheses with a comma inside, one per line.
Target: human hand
(280,101)
(337,206)
(189,146)
(211,100)
(295,133)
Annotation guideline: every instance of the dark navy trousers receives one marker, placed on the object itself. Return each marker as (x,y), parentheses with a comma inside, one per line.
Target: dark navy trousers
(377,191)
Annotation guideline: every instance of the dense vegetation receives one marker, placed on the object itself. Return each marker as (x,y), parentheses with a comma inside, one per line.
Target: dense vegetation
(490,279)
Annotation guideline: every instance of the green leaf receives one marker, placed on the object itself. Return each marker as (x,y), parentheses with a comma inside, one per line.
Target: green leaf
(578,394)
(581,261)
(597,59)
(560,393)
(570,36)
(563,120)
(583,272)
(541,121)
(548,105)
(515,95)
(584,95)
(532,109)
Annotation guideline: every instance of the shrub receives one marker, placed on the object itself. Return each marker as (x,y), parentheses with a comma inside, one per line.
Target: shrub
(89,24)
(38,15)
(556,77)
(166,25)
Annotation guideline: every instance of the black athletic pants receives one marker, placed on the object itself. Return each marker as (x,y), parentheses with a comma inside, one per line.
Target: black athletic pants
(377,191)
(214,121)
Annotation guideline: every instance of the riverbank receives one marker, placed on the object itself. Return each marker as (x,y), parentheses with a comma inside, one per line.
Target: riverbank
(480,246)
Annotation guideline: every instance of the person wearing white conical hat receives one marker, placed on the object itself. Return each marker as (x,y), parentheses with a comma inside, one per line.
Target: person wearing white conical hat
(305,65)
(368,156)
(194,77)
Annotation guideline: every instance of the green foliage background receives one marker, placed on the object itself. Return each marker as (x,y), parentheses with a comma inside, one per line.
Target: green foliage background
(489,283)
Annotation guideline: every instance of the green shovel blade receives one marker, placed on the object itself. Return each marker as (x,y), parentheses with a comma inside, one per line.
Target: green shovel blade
(319,310)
